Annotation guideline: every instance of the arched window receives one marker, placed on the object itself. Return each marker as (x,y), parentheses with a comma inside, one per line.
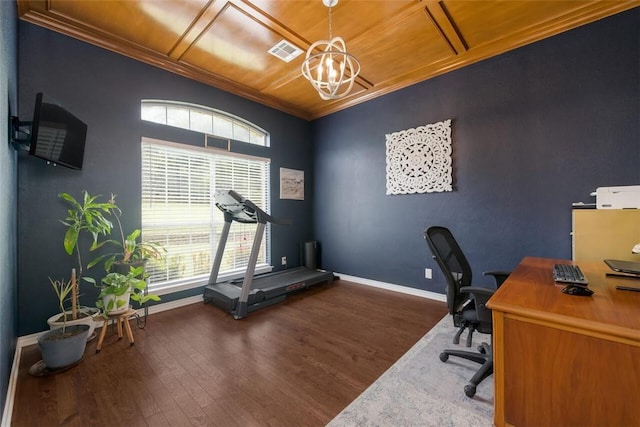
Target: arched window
(203,119)
(178,207)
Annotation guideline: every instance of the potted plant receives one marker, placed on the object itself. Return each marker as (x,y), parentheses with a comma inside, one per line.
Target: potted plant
(63,347)
(131,252)
(85,216)
(116,289)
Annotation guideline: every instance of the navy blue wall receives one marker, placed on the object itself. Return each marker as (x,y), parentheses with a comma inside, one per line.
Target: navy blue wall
(534,130)
(8,194)
(519,120)
(104,90)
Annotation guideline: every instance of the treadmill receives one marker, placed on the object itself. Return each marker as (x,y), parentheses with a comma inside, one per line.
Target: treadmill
(242,296)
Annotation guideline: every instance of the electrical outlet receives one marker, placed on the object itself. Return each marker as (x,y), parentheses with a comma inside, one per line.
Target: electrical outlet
(284,260)
(427,273)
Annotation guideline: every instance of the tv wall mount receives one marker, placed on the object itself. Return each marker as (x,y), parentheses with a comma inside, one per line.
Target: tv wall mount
(19,133)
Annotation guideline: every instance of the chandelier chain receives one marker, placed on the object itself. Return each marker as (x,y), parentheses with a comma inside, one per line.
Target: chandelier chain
(330,26)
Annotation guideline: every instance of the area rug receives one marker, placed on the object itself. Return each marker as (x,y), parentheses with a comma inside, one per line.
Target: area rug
(420,390)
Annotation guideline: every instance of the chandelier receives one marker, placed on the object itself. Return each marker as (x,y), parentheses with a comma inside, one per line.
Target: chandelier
(331,71)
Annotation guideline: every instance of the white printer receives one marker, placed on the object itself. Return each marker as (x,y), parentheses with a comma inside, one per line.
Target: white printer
(626,197)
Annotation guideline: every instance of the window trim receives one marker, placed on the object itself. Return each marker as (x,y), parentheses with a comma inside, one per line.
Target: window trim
(208,149)
(201,281)
(178,285)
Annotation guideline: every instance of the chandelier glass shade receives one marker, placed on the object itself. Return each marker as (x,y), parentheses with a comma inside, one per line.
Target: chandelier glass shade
(328,66)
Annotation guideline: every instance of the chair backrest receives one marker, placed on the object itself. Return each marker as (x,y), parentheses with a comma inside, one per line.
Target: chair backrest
(452,262)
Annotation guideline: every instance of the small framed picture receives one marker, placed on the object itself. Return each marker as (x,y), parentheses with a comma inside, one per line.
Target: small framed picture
(291,184)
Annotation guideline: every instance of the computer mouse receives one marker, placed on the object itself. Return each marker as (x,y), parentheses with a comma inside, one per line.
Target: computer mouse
(577,290)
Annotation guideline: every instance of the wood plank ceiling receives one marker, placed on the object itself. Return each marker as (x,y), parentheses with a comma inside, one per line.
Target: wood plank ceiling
(225,43)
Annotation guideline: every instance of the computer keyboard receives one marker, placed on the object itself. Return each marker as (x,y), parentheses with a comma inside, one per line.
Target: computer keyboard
(567,273)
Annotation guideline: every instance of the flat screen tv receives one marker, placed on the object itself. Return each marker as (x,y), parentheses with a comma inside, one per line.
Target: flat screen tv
(57,135)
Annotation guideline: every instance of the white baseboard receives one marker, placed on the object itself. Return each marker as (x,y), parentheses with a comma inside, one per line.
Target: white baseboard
(392,287)
(27,340)
(11,388)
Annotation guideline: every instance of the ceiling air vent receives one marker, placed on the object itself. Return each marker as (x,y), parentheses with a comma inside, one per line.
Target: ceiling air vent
(285,51)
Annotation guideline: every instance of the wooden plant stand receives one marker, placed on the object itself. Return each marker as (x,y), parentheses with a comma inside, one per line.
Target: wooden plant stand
(121,319)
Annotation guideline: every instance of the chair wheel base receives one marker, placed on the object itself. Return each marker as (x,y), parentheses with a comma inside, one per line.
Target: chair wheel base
(470,390)
(444,357)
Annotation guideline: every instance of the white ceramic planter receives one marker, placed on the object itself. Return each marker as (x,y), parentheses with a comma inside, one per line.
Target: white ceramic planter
(89,313)
(119,302)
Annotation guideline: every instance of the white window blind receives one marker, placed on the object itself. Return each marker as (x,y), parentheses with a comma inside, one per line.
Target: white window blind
(178,210)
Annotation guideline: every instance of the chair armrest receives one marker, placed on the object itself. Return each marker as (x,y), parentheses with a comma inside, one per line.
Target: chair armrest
(480,297)
(498,276)
(478,294)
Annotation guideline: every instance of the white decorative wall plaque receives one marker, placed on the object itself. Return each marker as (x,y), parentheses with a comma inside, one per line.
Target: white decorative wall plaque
(419,160)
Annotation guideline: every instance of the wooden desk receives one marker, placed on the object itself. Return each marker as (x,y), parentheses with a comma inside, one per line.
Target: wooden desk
(562,360)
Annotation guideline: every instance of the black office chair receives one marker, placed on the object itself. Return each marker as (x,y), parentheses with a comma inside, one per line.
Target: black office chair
(466,303)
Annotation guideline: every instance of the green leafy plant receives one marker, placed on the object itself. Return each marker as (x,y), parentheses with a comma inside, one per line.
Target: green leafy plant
(117,284)
(85,216)
(63,289)
(131,250)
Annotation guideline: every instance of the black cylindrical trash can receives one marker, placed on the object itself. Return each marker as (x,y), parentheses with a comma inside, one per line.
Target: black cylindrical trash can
(310,255)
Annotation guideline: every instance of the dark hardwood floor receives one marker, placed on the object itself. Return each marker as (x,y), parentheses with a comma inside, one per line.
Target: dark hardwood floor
(298,363)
